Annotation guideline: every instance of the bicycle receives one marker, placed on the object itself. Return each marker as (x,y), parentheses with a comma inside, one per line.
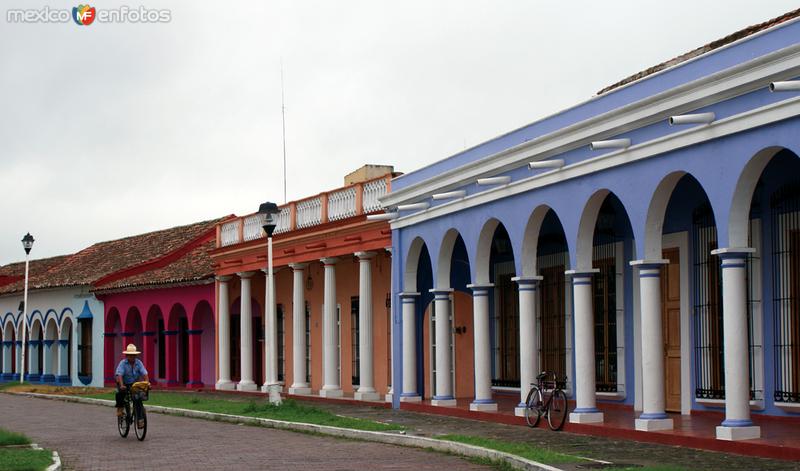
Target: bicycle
(546,398)
(136,394)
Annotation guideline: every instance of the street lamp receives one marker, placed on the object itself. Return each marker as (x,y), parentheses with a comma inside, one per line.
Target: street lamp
(27,244)
(270,212)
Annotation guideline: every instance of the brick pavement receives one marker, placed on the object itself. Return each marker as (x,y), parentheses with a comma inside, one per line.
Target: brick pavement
(86,438)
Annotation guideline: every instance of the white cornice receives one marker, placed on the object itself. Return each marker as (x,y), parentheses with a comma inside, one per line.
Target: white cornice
(723,85)
(733,124)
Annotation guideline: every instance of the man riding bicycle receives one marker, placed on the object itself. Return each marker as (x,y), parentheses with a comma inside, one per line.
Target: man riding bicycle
(130,370)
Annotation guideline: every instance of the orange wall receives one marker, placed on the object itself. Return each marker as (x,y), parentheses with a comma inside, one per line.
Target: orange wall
(464,348)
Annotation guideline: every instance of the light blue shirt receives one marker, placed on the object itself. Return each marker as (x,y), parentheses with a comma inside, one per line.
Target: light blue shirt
(131,373)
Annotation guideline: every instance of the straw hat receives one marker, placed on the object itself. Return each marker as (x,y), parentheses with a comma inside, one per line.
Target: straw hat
(131,350)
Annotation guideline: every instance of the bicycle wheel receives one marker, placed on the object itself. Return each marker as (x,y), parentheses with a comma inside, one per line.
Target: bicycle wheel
(140,416)
(557,410)
(533,407)
(124,423)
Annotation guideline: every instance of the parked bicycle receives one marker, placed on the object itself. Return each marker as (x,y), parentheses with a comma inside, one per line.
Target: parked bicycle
(134,410)
(546,398)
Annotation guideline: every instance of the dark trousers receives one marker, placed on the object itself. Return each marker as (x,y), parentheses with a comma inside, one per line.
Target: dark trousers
(120,397)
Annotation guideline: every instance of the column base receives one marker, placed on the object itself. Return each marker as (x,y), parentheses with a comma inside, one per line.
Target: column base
(246,386)
(331,393)
(738,433)
(389,397)
(448,402)
(586,417)
(225,385)
(63,379)
(519,411)
(412,398)
(48,378)
(653,425)
(300,391)
(483,406)
(367,396)
(265,387)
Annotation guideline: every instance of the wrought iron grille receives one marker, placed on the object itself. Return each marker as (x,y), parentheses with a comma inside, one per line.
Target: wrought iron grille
(604,294)
(281,342)
(354,341)
(785,204)
(552,320)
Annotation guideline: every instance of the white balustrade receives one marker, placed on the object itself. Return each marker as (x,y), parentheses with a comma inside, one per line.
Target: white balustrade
(284,220)
(309,212)
(229,234)
(253,226)
(342,204)
(372,191)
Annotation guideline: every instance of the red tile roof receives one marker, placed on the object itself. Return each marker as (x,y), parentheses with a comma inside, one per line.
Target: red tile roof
(750,30)
(102,260)
(14,273)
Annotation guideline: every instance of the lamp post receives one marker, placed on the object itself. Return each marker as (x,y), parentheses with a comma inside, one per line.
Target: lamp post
(270,212)
(27,244)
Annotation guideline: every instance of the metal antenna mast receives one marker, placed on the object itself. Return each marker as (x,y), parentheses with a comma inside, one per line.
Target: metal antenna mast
(283,124)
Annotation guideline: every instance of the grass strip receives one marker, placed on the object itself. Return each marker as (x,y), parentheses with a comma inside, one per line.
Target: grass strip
(8,437)
(524,450)
(289,411)
(25,459)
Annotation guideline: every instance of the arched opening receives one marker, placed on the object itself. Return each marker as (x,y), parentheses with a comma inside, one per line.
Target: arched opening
(201,344)
(258,343)
(34,355)
(772,228)
(133,329)
(112,344)
(65,354)
(154,345)
(10,351)
(417,278)
(551,257)
(50,350)
(177,348)
(85,342)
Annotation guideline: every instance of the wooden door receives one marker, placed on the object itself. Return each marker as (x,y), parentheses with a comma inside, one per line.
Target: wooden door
(552,355)
(671,322)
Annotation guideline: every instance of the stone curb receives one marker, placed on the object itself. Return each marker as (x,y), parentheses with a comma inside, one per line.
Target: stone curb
(56,466)
(379,437)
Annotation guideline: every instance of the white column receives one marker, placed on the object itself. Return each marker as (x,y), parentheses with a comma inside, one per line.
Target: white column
(444,362)
(33,360)
(7,367)
(482,350)
(366,388)
(270,333)
(18,366)
(224,335)
(585,402)
(409,392)
(737,424)
(653,415)
(330,333)
(528,338)
(390,393)
(63,361)
(299,386)
(246,335)
(47,351)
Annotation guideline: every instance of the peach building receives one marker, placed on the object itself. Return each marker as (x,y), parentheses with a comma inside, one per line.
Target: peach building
(331,329)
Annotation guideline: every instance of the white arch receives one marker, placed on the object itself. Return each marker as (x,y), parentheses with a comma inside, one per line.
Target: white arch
(654,226)
(445,258)
(530,242)
(583,247)
(484,251)
(66,328)
(412,264)
(51,330)
(739,216)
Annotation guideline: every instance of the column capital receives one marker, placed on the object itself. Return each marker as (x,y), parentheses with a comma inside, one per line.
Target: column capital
(365,255)
(527,280)
(733,253)
(643,264)
(582,272)
(441,293)
(480,289)
(298,266)
(223,278)
(327,261)
(275,270)
(407,294)
(245,275)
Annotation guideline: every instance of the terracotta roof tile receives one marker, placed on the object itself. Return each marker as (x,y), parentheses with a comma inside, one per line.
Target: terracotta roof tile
(750,30)
(13,274)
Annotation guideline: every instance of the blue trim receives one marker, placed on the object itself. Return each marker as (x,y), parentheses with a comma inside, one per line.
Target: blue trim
(733,265)
(6,376)
(654,416)
(480,294)
(109,334)
(62,379)
(86,313)
(8,342)
(443,398)
(15,377)
(85,379)
(127,334)
(527,288)
(581,283)
(522,404)
(63,343)
(737,423)
(586,410)
(195,382)
(172,381)
(19,343)
(148,333)
(194,331)
(170,332)
(48,378)
(48,343)
(408,300)
(409,394)
(649,275)
(34,343)
(484,401)
(32,377)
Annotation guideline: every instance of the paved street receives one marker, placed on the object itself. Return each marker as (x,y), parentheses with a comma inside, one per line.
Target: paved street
(86,438)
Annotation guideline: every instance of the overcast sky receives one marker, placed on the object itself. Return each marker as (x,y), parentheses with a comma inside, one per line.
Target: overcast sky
(111,130)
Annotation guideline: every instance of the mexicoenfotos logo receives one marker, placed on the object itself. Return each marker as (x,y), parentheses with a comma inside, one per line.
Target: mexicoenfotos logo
(84,14)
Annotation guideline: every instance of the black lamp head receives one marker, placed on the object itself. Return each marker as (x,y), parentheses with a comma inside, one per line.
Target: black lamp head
(270,211)
(27,243)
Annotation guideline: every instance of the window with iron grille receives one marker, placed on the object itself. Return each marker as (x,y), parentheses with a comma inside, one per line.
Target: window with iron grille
(506,327)
(552,317)
(281,342)
(707,313)
(785,205)
(354,340)
(85,347)
(604,297)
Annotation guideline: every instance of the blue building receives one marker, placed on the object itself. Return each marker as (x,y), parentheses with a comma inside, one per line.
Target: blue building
(644,245)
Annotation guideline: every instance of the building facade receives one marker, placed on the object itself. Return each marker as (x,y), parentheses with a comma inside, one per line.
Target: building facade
(328,330)
(642,245)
